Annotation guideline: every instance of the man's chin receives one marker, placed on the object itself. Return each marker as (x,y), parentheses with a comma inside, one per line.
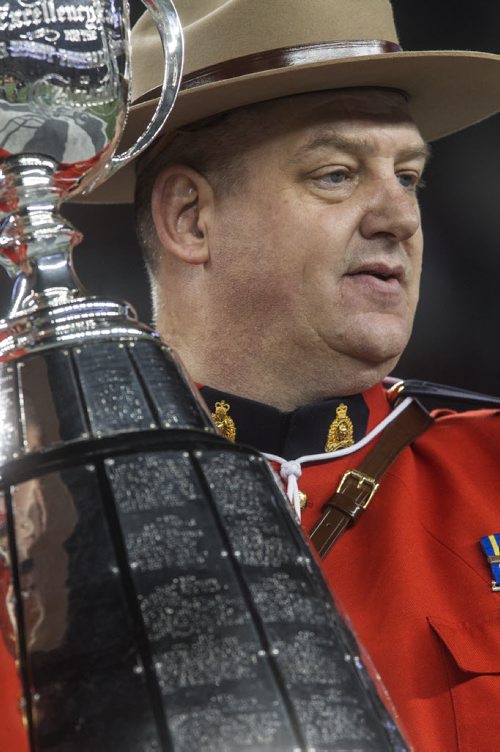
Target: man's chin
(374,356)
(380,353)
(377,339)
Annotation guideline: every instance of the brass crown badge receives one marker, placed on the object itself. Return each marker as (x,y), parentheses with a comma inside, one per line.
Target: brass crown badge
(223,421)
(341,431)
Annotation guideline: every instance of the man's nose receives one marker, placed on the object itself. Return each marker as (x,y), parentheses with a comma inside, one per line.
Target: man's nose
(391,210)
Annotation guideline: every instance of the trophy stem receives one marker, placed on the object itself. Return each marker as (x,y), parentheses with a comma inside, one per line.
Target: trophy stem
(36,242)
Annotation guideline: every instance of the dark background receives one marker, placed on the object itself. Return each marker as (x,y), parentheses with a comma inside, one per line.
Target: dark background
(456,332)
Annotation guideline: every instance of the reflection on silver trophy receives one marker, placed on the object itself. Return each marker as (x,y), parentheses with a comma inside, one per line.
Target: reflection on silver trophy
(155,590)
(64,95)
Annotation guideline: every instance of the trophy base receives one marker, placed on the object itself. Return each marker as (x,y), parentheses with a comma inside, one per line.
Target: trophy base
(164,596)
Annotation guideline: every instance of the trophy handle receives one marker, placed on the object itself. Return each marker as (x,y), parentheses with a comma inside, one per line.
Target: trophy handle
(170,30)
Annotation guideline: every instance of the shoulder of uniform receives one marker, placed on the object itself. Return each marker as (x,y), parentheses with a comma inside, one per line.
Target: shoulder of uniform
(439,395)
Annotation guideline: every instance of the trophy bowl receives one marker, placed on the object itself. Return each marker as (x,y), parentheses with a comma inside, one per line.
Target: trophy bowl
(64,98)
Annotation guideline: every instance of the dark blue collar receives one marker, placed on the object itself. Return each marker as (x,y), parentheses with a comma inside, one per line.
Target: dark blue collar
(289,435)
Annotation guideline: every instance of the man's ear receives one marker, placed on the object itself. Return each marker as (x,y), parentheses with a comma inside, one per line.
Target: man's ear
(181,204)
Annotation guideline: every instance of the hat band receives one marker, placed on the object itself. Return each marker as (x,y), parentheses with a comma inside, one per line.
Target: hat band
(284,57)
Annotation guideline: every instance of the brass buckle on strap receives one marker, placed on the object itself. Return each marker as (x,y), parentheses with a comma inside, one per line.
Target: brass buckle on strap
(362,481)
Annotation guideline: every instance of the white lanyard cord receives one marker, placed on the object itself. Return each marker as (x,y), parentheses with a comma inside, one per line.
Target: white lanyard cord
(291,470)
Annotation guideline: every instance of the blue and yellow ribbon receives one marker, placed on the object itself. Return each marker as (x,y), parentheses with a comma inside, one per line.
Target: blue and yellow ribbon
(491,547)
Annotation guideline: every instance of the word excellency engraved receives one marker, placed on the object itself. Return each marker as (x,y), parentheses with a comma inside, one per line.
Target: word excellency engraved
(48,13)
(35,28)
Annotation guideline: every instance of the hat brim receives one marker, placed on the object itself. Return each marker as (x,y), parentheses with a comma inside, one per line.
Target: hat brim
(448,91)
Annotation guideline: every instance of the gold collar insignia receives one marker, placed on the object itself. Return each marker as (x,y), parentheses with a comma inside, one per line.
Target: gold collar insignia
(341,431)
(223,421)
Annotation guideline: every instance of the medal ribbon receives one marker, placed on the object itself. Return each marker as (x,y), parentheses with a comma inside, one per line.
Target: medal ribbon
(491,547)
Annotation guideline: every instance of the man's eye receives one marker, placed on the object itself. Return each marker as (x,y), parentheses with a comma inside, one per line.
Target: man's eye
(336,177)
(411,180)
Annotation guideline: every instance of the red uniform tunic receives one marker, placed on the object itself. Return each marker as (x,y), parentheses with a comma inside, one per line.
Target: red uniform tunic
(411,575)
(12,730)
(413,579)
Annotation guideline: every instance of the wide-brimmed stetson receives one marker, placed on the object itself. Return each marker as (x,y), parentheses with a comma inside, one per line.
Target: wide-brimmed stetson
(238,52)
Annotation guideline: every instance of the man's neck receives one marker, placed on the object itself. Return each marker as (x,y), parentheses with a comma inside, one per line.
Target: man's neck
(290,393)
(274,377)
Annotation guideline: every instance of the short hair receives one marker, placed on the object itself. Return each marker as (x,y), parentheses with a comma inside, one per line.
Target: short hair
(214,147)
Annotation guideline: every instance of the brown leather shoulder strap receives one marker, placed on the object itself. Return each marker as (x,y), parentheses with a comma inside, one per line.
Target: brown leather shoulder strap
(357,487)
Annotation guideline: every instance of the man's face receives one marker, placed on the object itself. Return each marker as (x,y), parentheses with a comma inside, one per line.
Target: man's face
(320,246)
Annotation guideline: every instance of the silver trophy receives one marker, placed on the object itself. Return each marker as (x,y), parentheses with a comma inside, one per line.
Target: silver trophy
(156,592)
(64,97)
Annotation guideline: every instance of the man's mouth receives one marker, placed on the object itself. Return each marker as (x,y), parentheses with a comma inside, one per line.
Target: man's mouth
(379,270)
(379,280)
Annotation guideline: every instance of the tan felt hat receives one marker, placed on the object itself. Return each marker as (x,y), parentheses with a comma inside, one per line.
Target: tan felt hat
(239,52)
